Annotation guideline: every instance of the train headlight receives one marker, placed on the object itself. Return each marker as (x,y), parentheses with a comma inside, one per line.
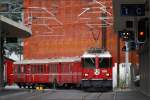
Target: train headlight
(107,74)
(86,74)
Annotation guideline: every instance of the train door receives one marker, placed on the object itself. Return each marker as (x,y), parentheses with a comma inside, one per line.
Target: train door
(8,71)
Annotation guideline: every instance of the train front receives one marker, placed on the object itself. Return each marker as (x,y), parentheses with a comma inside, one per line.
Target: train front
(96,70)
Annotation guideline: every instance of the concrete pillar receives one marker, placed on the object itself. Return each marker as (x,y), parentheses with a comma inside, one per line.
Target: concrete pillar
(1,57)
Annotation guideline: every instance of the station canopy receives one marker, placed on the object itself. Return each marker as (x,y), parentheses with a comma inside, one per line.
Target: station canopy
(10,28)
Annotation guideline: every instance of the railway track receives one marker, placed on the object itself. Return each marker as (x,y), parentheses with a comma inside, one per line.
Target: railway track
(100,96)
(88,97)
(62,95)
(38,94)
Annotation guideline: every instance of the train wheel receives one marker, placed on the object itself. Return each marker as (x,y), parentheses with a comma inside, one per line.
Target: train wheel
(24,86)
(20,86)
(33,86)
(28,86)
(66,86)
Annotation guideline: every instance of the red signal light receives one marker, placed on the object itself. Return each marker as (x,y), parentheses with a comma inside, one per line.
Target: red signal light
(141,33)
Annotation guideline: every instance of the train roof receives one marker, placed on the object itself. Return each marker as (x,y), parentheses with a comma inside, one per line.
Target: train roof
(104,54)
(52,60)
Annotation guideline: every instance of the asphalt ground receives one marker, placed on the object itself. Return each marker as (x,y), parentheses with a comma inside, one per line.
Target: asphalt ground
(69,94)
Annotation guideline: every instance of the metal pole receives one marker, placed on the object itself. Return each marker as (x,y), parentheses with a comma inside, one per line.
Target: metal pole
(118,60)
(127,64)
(104,30)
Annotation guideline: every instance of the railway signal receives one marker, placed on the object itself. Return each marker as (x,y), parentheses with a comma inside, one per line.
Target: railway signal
(127,35)
(142,30)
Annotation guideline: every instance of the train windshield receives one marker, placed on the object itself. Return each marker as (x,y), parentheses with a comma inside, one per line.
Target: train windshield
(105,62)
(88,62)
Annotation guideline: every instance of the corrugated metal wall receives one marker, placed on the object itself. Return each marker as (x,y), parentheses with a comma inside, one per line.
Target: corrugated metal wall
(65,27)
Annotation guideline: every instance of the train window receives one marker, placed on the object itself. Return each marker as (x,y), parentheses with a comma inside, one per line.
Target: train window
(62,67)
(44,68)
(88,62)
(55,68)
(65,68)
(19,69)
(69,69)
(52,68)
(24,67)
(39,68)
(49,68)
(105,62)
(33,69)
(36,68)
(15,69)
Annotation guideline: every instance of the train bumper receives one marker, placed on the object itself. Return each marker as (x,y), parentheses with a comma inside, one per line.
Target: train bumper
(96,83)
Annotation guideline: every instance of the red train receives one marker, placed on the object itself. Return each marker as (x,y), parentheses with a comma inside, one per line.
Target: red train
(96,69)
(92,70)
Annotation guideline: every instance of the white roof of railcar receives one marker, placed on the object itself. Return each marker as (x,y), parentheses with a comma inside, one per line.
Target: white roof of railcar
(52,60)
(102,54)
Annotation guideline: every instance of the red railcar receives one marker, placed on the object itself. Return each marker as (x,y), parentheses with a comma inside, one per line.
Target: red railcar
(92,70)
(62,72)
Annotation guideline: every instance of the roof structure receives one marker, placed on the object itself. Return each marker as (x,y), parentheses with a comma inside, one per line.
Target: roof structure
(10,28)
(104,54)
(44,61)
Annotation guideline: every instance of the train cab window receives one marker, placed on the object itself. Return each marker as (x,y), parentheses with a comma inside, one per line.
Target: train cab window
(105,62)
(88,62)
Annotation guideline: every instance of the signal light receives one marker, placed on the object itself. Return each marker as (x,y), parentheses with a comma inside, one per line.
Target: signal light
(141,33)
(126,35)
(142,30)
(141,37)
